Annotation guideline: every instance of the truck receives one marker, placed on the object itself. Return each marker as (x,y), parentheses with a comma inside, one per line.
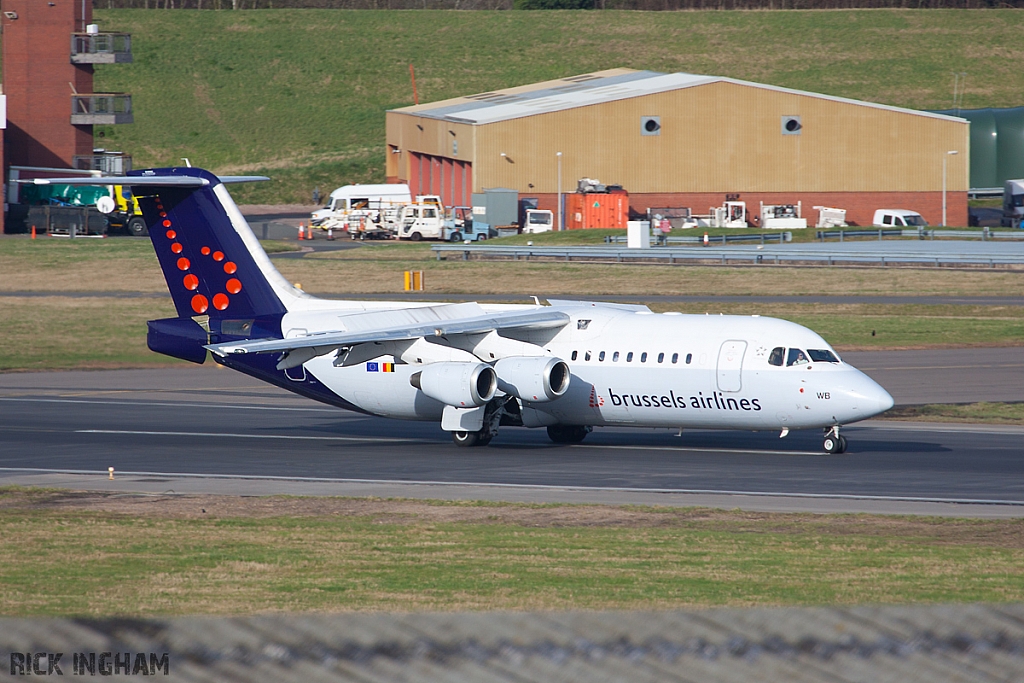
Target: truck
(427,220)
(1013,203)
(378,202)
(123,212)
(538,220)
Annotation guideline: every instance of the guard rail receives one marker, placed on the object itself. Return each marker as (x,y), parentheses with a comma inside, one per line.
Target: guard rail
(718,255)
(923,233)
(762,238)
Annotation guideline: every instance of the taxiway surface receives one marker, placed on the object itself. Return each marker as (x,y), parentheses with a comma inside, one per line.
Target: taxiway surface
(209,421)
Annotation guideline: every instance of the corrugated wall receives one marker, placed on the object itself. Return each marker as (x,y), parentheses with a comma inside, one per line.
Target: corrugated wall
(720,137)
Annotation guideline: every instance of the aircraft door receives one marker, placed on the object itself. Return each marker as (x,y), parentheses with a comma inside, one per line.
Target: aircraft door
(730,365)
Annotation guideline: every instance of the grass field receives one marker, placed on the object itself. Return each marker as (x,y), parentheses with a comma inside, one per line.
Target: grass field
(56,332)
(991,413)
(301,94)
(149,555)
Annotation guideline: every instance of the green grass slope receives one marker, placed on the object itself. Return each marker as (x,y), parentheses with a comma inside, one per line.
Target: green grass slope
(300,94)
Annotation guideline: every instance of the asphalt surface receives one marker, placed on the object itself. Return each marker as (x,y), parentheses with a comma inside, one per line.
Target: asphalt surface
(59,427)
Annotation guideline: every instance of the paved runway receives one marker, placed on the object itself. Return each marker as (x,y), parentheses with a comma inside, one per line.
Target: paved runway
(216,422)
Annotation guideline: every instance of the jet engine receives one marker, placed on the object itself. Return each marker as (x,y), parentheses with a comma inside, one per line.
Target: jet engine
(533,378)
(457,384)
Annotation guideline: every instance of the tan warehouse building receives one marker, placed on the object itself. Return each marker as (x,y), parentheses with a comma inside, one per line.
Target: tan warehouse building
(684,140)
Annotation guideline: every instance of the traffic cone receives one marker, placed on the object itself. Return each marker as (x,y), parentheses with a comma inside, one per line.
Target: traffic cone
(330,234)
(309,232)
(33,232)
(302,231)
(706,240)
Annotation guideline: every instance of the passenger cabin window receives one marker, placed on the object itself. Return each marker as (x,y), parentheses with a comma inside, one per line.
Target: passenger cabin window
(796,357)
(661,357)
(574,354)
(675,357)
(587,356)
(615,357)
(776,356)
(643,357)
(689,357)
(629,357)
(600,356)
(822,356)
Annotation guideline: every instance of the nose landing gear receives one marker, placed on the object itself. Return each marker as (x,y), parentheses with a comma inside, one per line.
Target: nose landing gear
(833,443)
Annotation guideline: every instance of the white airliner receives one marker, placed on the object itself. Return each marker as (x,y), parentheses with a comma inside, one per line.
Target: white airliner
(568,366)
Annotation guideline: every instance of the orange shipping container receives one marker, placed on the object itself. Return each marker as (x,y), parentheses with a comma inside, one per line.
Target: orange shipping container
(597,211)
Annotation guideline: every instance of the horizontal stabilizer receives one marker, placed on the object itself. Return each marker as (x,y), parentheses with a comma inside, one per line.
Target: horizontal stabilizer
(145,180)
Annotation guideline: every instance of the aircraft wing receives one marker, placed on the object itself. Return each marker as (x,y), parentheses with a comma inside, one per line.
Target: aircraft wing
(441,325)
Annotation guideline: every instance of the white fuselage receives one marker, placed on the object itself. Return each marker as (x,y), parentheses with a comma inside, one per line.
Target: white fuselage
(632,367)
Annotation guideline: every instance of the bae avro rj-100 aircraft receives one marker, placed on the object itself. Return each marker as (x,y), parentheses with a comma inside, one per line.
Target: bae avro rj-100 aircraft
(568,366)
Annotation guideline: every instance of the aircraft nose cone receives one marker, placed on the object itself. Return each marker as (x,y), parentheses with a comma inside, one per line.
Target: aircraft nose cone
(870,397)
(884,399)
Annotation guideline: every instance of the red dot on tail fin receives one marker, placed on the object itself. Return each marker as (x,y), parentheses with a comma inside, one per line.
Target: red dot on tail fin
(200,303)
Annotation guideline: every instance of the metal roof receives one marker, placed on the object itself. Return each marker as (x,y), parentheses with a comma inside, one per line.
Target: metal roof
(590,89)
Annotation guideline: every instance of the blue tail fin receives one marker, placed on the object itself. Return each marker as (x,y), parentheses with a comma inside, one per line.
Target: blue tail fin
(208,254)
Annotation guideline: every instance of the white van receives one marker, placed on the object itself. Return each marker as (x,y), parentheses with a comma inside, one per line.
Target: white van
(374,201)
(898,218)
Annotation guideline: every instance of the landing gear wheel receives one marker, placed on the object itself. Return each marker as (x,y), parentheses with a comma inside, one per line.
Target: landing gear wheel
(470,439)
(833,444)
(567,433)
(456,237)
(137,227)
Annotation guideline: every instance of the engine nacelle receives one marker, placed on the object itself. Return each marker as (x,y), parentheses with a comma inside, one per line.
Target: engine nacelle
(457,384)
(533,378)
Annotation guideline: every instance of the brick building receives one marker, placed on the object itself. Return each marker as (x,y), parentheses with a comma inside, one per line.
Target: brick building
(49,50)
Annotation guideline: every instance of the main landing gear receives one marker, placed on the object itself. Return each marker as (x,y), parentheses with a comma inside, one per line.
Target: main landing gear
(568,433)
(833,443)
(470,439)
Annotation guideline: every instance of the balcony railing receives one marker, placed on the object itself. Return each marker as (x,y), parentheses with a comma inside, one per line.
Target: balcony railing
(110,163)
(101,109)
(101,48)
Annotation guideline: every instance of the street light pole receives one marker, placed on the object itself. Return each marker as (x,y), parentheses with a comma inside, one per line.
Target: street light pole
(945,158)
(560,224)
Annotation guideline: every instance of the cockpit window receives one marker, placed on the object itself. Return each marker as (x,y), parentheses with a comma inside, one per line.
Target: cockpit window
(777,355)
(796,357)
(822,356)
